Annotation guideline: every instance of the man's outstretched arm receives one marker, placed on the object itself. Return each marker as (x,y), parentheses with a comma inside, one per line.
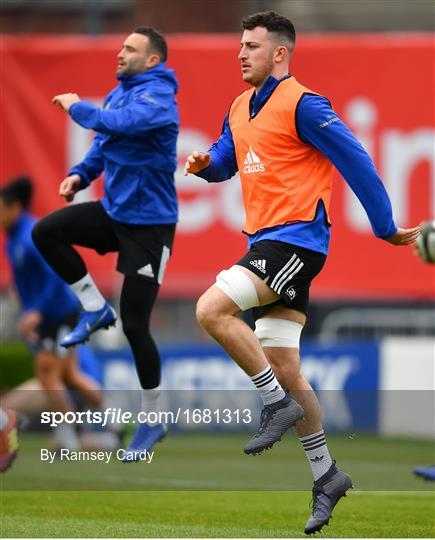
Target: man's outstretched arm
(320,126)
(219,163)
(146,111)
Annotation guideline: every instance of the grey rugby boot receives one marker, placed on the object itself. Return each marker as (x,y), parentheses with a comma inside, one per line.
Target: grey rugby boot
(276,419)
(327,491)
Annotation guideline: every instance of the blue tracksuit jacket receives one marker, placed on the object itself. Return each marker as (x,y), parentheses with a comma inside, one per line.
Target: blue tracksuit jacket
(135,145)
(335,140)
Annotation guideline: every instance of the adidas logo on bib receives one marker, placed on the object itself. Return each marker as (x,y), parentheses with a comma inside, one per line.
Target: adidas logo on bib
(259,264)
(252,163)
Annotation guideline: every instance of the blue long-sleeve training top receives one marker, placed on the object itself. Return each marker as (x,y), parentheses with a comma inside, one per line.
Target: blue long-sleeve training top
(38,286)
(319,125)
(135,146)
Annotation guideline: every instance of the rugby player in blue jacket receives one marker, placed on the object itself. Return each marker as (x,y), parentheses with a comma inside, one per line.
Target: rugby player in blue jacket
(48,309)
(135,146)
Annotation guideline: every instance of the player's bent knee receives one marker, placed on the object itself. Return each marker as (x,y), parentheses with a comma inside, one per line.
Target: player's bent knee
(204,312)
(41,230)
(278,333)
(237,285)
(200,312)
(48,373)
(37,232)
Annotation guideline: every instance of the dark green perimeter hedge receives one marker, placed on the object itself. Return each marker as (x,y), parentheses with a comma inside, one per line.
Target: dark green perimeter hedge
(16,364)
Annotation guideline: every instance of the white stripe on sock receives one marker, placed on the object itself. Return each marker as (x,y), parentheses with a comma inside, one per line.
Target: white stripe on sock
(268,386)
(316,450)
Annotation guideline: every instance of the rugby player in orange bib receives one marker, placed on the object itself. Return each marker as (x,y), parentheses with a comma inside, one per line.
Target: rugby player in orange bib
(284,141)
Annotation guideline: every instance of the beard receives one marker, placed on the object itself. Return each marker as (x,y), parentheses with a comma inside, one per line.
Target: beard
(257,77)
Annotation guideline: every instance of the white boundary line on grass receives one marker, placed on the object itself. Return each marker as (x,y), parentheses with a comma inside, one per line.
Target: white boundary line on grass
(236,487)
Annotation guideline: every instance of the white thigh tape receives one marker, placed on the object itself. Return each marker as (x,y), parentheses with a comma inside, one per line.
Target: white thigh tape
(237,285)
(278,332)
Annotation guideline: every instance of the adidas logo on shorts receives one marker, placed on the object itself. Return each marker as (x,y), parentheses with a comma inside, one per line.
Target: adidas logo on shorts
(146,270)
(260,264)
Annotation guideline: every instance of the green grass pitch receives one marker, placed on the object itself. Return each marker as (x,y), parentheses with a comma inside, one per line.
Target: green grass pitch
(201,485)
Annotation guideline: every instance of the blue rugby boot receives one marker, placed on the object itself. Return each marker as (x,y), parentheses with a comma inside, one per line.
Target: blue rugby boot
(327,491)
(428,473)
(144,439)
(90,322)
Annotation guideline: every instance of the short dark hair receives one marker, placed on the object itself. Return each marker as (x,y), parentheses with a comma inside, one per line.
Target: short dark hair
(273,22)
(157,41)
(19,189)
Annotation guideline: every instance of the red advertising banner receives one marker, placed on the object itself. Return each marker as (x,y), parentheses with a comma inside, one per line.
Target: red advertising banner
(381,85)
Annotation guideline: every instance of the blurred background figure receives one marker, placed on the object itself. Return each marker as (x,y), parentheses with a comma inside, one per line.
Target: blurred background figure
(8,438)
(28,399)
(48,310)
(425,249)
(428,473)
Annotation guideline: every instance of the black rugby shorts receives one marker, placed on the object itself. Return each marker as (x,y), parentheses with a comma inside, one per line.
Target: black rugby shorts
(289,271)
(51,334)
(143,250)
